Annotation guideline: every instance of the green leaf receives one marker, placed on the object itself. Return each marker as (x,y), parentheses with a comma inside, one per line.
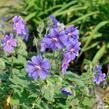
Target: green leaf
(21,47)
(74,78)
(18,79)
(100,25)
(20,60)
(2,64)
(48,91)
(15,101)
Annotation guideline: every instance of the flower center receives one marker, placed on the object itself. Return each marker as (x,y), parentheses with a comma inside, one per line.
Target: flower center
(54,39)
(8,42)
(17,24)
(70,34)
(37,67)
(72,50)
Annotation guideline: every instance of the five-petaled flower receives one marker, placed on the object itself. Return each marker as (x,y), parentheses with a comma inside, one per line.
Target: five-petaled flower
(99,77)
(72,51)
(52,40)
(9,43)
(38,67)
(72,35)
(20,27)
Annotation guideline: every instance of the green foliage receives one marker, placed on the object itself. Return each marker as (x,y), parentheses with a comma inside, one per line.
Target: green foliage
(92,18)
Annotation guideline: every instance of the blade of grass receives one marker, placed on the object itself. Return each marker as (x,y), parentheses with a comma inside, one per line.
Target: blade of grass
(84,39)
(101,24)
(69,10)
(98,55)
(50,9)
(83,17)
(92,46)
(66,5)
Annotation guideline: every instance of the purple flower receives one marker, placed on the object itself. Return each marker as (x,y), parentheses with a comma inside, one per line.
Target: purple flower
(38,67)
(9,43)
(72,51)
(52,40)
(65,65)
(20,27)
(72,35)
(4,18)
(99,77)
(69,55)
(97,68)
(66,91)
(55,22)
(44,44)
